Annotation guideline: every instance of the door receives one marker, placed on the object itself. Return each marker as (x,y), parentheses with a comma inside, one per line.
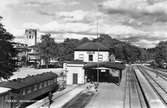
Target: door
(75,78)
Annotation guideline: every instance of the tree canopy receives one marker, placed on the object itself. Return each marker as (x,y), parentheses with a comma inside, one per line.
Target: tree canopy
(161,53)
(47,48)
(7,54)
(65,50)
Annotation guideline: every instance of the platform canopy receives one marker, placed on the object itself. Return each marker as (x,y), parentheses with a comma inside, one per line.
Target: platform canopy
(117,66)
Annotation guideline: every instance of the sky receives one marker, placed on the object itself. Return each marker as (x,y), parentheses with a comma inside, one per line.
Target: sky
(140,22)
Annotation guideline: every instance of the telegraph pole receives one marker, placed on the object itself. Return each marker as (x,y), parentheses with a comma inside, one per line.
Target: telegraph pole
(97,30)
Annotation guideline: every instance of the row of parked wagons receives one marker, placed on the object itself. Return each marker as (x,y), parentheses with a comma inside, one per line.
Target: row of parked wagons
(19,93)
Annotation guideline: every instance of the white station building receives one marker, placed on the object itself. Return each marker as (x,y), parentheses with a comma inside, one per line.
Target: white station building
(88,58)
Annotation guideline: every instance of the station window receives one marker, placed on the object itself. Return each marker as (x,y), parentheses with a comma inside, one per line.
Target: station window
(90,57)
(81,56)
(100,57)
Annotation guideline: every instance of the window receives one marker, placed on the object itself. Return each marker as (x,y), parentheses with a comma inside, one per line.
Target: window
(29,90)
(35,87)
(90,57)
(40,85)
(100,57)
(55,80)
(81,56)
(45,83)
(49,82)
(24,92)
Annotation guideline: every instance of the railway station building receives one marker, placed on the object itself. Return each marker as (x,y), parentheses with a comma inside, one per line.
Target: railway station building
(92,62)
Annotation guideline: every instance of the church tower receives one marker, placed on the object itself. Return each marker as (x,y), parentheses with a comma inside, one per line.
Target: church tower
(31,37)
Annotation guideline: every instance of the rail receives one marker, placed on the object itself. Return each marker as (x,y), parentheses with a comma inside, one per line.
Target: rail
(133,94)
(158,88)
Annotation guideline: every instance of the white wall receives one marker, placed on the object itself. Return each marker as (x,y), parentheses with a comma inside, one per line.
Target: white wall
(95,55)
(74,68)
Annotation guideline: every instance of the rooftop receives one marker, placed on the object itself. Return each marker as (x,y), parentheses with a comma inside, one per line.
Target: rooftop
(92,46)
(27,81)
(117,66)
(4,89)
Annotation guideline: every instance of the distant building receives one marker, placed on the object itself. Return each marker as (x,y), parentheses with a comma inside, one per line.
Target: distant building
(90,59)
(31,37)
(31,41)
(33,56)
(22,52)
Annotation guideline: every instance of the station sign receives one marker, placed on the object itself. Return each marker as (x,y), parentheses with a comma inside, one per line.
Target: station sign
(103,70)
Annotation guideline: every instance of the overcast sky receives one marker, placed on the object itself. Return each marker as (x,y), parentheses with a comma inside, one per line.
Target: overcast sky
(141,22)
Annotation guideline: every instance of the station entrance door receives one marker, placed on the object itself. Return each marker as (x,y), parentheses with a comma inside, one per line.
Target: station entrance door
(75,78)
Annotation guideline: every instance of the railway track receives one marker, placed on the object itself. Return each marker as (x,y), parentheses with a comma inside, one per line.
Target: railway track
(162,74)
(134,96)
(160,89)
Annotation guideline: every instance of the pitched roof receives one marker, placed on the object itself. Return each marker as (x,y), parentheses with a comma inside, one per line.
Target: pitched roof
(117,66)
(29,80)
(92,46)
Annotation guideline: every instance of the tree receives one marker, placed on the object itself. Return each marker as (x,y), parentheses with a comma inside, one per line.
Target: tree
(121,50)
(67,48)
(161,53)
(47,49)
(7,54)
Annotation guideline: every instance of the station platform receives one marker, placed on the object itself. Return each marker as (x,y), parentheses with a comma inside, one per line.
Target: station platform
(109,95)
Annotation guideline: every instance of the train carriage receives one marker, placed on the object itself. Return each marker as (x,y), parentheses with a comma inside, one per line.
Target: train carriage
(22,92)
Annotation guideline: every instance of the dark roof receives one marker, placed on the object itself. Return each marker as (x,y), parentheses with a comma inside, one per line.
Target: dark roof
(92,46)
(29,80)
(117,66)
(75,62)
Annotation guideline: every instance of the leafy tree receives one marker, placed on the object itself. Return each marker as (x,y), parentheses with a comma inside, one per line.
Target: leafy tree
(122,50)
(47,48)
(161,53)
(7,54)
(67,48)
